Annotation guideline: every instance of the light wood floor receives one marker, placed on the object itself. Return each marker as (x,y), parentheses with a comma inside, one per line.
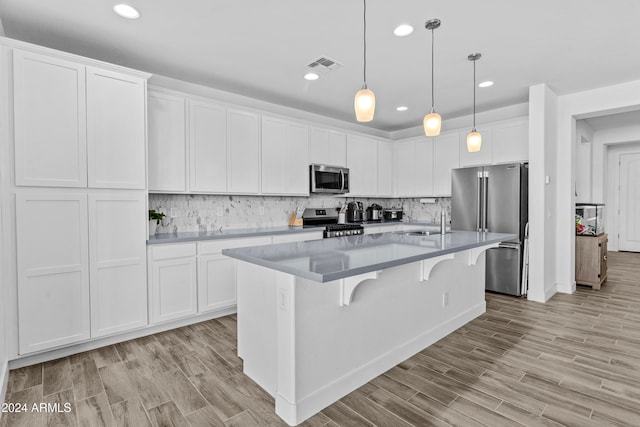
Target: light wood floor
(573,361)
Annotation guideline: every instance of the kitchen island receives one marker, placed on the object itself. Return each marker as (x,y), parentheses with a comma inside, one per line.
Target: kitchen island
(318,319)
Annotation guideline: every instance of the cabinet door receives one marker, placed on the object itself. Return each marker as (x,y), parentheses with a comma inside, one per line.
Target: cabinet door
(327,147)
(423,167)
(296,159)
(207,147)
(173,289)
(511,141)
(50,121)
(478,158)
(116,130)
(405,162)
(167,143)
(446,156)
(244,152)
(362,161)
(52,270)
(118,276)
(216,282)
(385,169)
(274,176)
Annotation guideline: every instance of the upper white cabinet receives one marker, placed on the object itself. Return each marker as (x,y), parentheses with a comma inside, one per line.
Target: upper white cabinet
(207,147)
(285,157)
(116,130)
(50,121)
(502,142)
(385,169)
(446,156)
(511,141)
(362,161)
(167,143)
(414,167)
(327,147)
(91,124)
(243,145)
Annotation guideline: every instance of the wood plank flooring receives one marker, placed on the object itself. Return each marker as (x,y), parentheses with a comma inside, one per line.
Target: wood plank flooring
(574,361)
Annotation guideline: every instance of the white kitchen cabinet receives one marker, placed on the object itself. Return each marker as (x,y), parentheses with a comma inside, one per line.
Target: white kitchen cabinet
(217,273)
(423,162)
(297,237)
(117,234)
(446,155)
(173,281)
(405,154)
(478,158)
(207,147)
(285,157)
(243,144)
(116,130)
(167,153)
(52,270)
(327,147)
(362,161)
(385,169)
(49,121)
(511,141)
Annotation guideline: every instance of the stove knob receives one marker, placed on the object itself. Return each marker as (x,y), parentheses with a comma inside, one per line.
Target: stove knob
(339,233)
(348,232)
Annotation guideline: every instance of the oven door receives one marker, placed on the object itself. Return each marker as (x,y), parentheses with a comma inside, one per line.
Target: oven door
(328,179)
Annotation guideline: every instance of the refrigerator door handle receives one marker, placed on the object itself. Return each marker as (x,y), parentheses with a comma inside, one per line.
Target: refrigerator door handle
(485,199)
(479,203)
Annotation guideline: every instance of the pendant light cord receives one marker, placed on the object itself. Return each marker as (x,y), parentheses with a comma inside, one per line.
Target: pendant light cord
(432,94)
(474,95)
(364,37)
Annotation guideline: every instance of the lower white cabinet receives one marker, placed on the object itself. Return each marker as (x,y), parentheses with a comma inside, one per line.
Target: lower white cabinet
(53,270)
(117,263)
(173,281)
(297,237)
(80,266)
(217,273)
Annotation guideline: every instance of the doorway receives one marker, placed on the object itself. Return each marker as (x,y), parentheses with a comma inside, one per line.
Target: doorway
(629,202)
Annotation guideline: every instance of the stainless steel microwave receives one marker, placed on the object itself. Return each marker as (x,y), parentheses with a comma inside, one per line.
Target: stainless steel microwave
(328,179)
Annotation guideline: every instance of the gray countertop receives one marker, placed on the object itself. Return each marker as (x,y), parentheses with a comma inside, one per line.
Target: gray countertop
(331,259)
(231,233)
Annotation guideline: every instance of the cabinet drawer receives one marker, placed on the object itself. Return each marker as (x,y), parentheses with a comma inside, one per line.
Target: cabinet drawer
(173,251)
(216,246)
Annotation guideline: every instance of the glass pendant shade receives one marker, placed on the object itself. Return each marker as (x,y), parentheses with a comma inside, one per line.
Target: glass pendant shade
(432,123)
(474,141)
(365,105)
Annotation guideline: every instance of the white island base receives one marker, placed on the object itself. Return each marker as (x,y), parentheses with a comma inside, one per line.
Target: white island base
(308,343)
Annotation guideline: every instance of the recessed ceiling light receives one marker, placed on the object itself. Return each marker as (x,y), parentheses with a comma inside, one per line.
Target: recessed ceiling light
(402,108)
(126,11)
(311,76)
(403,30)
(485,84)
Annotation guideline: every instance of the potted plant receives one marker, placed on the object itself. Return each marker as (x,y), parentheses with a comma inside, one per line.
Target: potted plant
(154,219)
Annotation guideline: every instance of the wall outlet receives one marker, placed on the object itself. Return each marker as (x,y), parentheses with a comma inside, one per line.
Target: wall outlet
(260,210)
(445,299)
(220,211)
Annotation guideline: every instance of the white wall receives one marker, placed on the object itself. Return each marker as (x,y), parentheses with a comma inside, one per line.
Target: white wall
(542,192)
(602,140)
(606,100)
(583,168)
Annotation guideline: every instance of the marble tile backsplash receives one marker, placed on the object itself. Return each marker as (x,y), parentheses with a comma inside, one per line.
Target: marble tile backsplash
(200,212)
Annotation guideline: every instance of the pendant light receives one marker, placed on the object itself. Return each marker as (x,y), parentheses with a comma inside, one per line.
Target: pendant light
(474,139)
(432,122)
(365,101)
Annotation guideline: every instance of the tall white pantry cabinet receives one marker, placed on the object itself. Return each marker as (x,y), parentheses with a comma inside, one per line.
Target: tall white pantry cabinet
(74,188)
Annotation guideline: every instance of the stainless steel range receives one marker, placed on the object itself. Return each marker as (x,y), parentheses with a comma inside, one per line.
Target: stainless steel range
(328,217)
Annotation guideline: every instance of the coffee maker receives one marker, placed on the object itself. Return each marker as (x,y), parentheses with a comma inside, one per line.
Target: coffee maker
(355,212)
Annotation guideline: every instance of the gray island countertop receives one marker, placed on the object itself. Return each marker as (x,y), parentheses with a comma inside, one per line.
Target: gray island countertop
(332,259)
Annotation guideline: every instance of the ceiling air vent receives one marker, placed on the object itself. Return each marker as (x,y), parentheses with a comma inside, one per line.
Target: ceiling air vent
(324,65)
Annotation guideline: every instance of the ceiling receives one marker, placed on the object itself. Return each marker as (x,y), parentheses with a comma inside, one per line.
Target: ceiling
(260,48)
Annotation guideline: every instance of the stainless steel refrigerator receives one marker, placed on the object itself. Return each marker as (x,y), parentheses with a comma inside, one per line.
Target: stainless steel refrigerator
(494,199)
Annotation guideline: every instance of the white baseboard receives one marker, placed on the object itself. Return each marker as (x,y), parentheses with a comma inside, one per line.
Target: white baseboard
(566,288)
(45,356)
(295,413)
